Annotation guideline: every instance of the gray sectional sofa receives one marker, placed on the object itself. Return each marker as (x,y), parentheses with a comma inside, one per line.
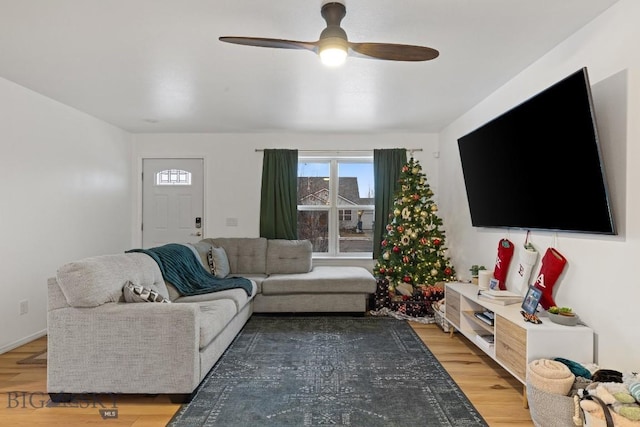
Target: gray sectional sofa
(99,343)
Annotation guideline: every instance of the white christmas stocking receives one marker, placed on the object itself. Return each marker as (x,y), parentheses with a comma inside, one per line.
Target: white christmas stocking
(527,257)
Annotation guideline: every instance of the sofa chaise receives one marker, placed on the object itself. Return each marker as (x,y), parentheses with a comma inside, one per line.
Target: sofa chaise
(99,343)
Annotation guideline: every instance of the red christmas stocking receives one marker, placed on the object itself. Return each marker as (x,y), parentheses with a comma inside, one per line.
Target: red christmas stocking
(552,265)
(505,253)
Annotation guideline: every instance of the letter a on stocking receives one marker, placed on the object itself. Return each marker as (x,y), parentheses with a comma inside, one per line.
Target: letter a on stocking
(552,265)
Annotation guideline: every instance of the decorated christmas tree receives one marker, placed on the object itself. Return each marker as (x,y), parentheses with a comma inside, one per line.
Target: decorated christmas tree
(413,262)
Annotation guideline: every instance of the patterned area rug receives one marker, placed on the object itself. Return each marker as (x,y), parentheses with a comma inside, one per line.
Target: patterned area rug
(318,371)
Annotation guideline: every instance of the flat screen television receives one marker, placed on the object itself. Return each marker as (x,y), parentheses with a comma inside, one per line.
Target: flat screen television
(539,166)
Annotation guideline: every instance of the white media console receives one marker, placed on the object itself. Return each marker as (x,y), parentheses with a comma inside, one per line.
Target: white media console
(515,342)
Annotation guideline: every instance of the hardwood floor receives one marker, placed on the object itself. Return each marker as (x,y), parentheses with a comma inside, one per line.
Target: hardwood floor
(496,395)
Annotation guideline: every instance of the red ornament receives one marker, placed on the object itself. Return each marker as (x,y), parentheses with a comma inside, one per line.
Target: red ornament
(405,259)
(447,271)
(405,168)
(382,270)
(390,270)
(384,243)
(406,279)
(437,241)
(423,241)
(389,226)
(416,197)
(396,249)
(400,229)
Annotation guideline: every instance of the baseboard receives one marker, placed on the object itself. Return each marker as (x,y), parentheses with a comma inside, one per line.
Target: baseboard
(23,341)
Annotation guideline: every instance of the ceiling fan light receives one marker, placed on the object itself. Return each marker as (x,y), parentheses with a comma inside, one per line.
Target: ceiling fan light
(333,56)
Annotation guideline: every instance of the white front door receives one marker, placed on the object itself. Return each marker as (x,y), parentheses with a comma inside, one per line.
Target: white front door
(172,201)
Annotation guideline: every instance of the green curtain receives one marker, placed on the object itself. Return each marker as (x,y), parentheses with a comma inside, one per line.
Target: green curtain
(278,203)
(387,165)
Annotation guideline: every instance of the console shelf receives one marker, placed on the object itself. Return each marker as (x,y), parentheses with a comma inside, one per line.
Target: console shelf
(516,342)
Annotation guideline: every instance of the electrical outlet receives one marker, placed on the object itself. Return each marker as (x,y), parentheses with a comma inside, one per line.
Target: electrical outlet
(24,307)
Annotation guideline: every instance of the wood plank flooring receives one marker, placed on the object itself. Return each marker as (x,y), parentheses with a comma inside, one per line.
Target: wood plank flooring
(496,395)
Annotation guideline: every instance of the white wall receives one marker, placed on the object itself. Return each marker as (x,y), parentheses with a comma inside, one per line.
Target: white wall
(233,169)
(66,194)
(600,281)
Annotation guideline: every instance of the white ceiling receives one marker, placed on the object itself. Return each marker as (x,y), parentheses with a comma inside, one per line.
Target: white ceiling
(157,65)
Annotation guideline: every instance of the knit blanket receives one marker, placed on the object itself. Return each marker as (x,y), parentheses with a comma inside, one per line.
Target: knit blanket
(550,376)
(181,268)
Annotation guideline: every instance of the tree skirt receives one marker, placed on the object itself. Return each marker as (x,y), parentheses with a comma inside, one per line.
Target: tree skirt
(334,370)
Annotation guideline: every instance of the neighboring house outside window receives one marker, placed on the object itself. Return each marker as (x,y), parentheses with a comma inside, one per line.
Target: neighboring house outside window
(336,205)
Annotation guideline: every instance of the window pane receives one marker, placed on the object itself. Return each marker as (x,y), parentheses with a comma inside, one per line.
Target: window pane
(356,235)
(355,183)
(313,183)
(314,226)
(173,177)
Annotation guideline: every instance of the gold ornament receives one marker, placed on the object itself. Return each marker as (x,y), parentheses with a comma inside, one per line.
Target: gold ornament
(434,272)
(434,208)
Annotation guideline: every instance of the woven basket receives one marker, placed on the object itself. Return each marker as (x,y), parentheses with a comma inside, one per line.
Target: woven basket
(552,410)
(439,316)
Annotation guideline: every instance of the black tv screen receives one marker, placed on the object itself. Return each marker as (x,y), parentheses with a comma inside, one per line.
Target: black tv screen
(539,166)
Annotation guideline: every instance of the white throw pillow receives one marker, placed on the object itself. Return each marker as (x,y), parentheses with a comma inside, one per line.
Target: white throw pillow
(221,268)
(139,293)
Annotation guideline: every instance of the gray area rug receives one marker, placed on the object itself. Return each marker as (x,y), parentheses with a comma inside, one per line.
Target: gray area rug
(319,371)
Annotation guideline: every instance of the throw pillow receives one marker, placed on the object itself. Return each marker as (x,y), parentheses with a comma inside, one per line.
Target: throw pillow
(220,262)
(211,262)
(139,293)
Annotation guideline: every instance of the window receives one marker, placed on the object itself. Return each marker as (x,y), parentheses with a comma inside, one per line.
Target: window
(173,177)
(336,204)
(344,215)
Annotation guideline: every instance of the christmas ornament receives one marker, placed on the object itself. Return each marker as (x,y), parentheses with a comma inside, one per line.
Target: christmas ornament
(396,249)
(447,271)
(434,272)
(384,243)
(400,229)
(436,241)
(385,256)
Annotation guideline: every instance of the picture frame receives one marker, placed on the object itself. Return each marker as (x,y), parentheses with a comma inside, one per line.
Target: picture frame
(531,299)
(494,284)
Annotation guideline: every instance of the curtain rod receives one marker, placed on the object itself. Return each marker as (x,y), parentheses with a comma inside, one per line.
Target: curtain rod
(410,150)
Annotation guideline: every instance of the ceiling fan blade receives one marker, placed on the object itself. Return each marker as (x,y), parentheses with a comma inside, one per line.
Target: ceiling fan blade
(394,52)
(275,43)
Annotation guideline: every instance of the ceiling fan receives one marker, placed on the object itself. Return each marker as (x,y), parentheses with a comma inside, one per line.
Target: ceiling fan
(333,45)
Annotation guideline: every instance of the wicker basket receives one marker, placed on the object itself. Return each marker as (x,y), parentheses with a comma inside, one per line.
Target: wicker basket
(438,313)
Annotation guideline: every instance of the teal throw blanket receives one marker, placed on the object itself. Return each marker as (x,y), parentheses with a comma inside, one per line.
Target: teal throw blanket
(181,268)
